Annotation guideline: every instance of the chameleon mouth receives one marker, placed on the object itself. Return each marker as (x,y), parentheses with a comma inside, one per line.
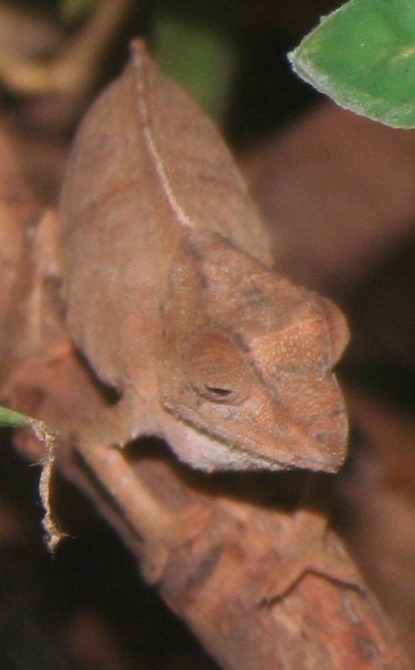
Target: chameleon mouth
(211,450)
(291,461)
(297,462)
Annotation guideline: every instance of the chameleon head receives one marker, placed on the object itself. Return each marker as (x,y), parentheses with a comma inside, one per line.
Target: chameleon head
(247,366)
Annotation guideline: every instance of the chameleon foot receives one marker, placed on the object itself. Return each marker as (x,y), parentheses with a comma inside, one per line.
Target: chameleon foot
(310,550)
(163,541)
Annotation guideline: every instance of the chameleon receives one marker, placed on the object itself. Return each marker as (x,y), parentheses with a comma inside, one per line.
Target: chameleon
(171,295)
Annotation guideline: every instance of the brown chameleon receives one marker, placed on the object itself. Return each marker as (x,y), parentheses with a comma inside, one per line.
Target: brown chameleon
(171,295)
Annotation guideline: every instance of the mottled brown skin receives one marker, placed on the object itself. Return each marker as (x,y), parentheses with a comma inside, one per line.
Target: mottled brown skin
(171,297)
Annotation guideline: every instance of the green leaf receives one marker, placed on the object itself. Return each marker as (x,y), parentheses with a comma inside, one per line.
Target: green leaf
(10,418)
(200,55)
(72,10)
(363,57)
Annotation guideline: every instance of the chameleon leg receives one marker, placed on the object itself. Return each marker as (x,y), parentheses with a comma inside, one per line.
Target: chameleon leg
(161,531)
(307,549)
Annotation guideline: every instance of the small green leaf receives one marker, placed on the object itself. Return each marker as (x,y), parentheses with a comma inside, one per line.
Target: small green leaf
(73,10)
(10,418)
(199,54)
(363,57)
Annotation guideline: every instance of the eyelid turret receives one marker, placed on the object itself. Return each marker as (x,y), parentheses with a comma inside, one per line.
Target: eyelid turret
(217,368)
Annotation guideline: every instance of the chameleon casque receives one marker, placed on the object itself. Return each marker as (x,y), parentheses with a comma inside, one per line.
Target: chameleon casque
(205,344)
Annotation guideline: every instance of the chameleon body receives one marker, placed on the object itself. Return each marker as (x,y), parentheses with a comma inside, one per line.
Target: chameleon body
(171,296)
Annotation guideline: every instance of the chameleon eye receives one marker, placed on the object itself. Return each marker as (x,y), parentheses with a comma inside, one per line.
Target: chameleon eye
(217,368)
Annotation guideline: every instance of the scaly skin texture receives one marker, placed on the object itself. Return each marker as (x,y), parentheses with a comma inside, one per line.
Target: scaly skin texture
(171,297)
